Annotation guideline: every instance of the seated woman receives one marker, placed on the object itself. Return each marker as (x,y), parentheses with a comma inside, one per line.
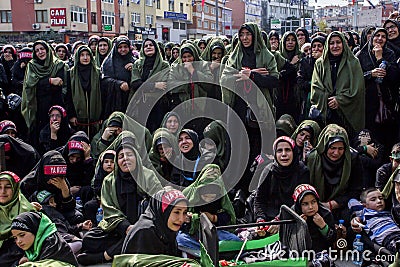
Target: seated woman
(207,195)
(216,143)
(335,171)
(122,195)
(163,152)
(57,132)
(308,131)
(278,181)
(172,122)
(37,236)
(9,128)
(155,231)
(12,203)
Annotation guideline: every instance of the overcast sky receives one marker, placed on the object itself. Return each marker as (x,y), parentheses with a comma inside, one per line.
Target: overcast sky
(336,2)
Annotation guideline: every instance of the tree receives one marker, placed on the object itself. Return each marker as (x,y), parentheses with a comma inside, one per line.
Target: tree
(322,25)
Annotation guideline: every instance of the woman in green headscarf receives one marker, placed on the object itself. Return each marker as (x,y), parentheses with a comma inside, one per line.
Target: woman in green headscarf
(12,203)
(122,195)
(44,86)
(308,130)
(247,81)
(85,89)
(335,170)
(337,87)
(207,195)
(104,46)
(150,75)
(189,79)
(38,237)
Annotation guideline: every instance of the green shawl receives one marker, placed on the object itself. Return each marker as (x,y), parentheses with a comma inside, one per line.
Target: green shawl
(154,155)
(314,162)
(46,263)
(147,182)
(166,117)
(313,125)
(46,228)
(179,80)
(286,124)
(207,52)
(142,133)
(33,73)
(9,211)
(210,174)
(264,59)
(349,91)
(387,190)
(79,97)
(145,260)
(97,56)
(282,46)
(216,132)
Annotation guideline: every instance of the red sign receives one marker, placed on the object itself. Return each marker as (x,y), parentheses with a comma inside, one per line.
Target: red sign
(58,16)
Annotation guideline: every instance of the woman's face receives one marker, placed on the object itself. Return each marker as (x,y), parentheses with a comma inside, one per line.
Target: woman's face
(301,37)
(355,37)
(126,160)
(392,30)
(284,154)
(149,48)
(6,191)
(172,124)
(8,54)
(40,51)
(108,165)
(379,39)
(164,149)
(336,46)
(274,40)
(55,115)
(92,46)
(123,49)
(309,205)
(175,53)
(370,32)
(335,151)
(103,48)
(185,143)
(187,57)
(301,137)
(246,37)
(61,53)
(84,58)
(177,216)
(202,46)
(317,49)
(23,239)
(290,43)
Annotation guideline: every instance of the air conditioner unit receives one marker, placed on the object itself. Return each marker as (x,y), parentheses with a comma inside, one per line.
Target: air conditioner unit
(36,26)
(38,1)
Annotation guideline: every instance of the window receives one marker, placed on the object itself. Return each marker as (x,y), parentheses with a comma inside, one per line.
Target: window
(213,24)
(205,25)
(78,14)
(108,1)
(199,25)
(206,8)
(93,16)
(149,2)
(122,19)
(171,5)
(107,17)
(149,19)
(181,7)
(175,25)
(198,8)
(158,4)
(41,16)
(183,26)
(135,17)
(213,10)
(6,16)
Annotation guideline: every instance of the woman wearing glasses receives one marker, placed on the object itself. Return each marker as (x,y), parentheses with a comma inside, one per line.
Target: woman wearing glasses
(392,27)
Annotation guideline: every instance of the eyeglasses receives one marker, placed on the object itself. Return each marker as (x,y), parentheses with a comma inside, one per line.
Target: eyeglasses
(57,116)
(392,27)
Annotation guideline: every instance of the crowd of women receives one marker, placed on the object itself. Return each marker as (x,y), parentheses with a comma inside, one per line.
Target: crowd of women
(73,146)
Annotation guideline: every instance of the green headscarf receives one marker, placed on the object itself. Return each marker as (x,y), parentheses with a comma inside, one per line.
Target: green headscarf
(209,175)
(165,119)
(387,190)
(144,260)
(282,46)
(17,205)
(46,263)
(308,123)
(264,59)
(97,56)
(217,133)
(349,90)
(33,73)
(147,184)
(314,162)
(79,97)
(214,43)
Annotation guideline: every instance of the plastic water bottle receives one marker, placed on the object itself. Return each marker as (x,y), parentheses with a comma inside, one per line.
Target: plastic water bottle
(99,215)
(341,233)
(79,204)
(358,246)
(383,65)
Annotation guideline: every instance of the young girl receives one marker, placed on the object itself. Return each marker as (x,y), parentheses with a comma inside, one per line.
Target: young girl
(319,219)
(37,236)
